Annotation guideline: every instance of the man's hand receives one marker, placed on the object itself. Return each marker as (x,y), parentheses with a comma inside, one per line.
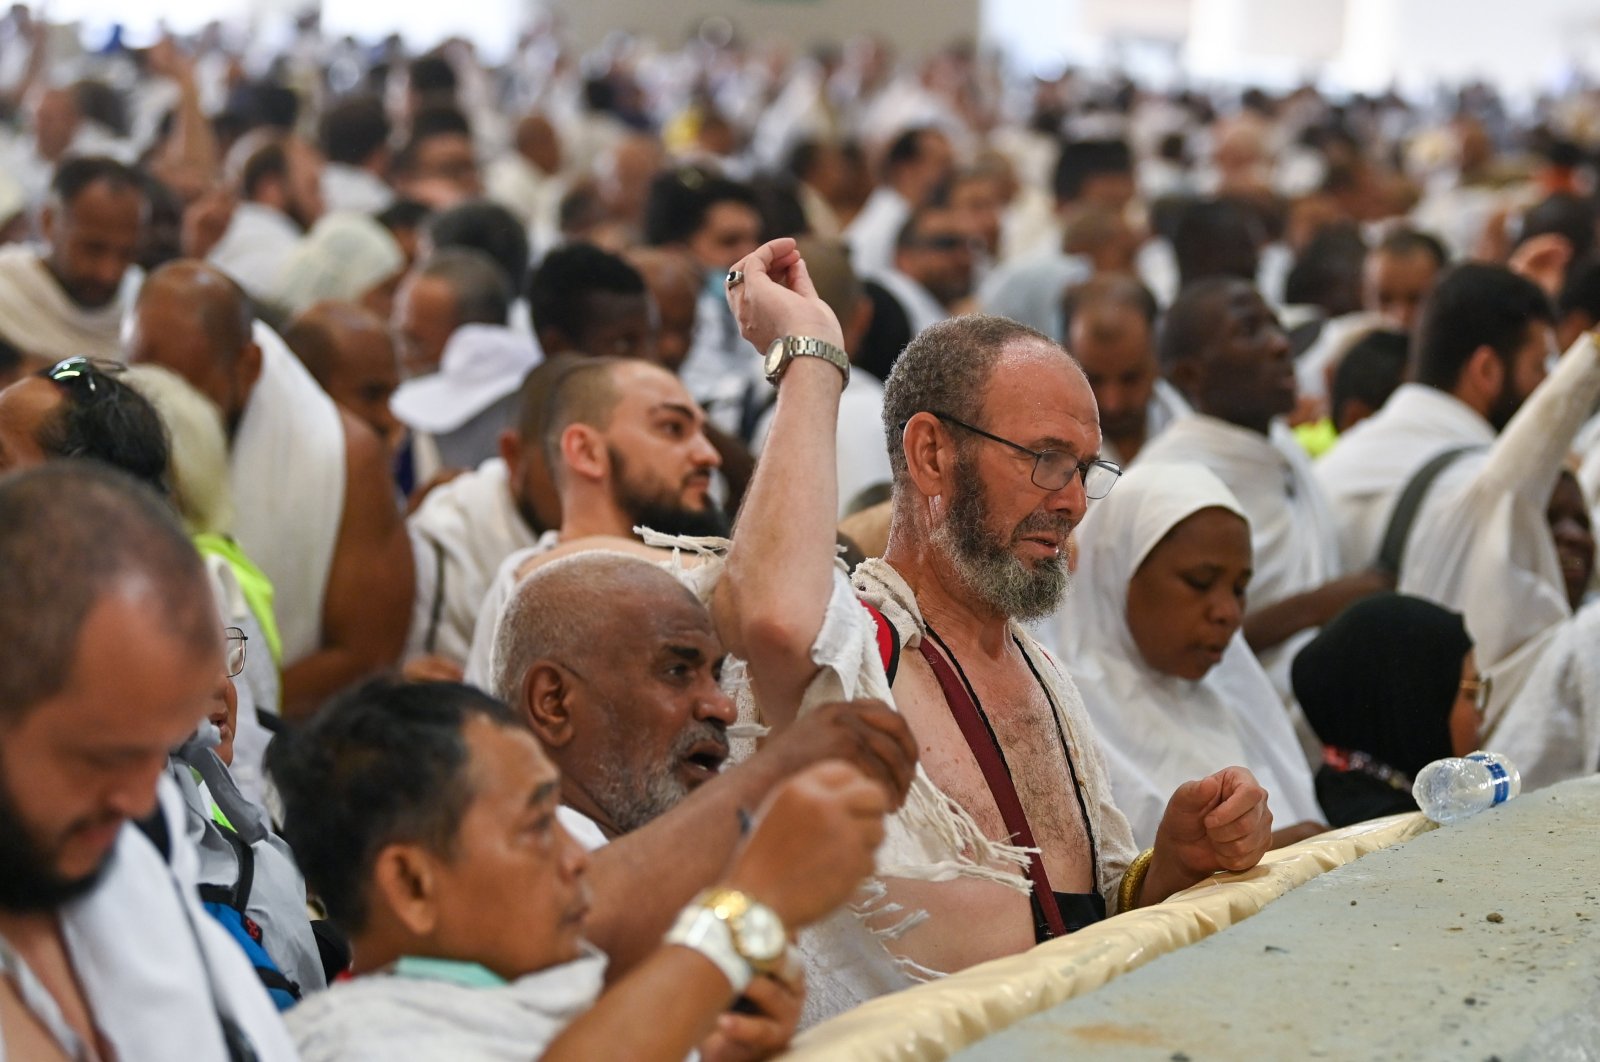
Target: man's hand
(1217,823)
(1543,260)
(869,735)
(777,298)
(746,1037)
(813,842)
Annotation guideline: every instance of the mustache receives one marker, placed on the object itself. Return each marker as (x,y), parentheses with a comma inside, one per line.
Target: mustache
(703,731)
(1058,524)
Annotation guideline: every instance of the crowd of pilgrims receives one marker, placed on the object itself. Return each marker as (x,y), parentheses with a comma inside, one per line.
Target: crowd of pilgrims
(609,555)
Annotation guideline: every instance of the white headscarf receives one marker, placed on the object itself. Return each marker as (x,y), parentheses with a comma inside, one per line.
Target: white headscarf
(1159,731)
(343,257)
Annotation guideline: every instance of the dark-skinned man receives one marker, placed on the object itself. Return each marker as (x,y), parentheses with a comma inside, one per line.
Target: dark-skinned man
(310,483)
(67,302)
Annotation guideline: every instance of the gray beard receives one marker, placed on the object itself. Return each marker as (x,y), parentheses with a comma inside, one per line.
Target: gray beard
(987,568)
(630,800)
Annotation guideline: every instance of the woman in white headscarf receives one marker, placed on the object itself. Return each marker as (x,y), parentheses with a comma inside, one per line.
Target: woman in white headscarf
(1150,632)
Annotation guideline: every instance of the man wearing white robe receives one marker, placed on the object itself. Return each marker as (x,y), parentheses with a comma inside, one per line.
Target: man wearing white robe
(310,483)
(104,948)
(624,444)
(68,301)
(1479,351)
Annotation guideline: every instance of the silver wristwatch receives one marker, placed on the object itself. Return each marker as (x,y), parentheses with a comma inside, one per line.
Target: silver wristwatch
(740,936)
(787,348)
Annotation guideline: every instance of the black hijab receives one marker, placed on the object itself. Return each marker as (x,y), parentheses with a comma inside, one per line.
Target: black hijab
(1382,679)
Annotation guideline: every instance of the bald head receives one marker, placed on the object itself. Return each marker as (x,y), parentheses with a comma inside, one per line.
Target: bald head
(571,610)
(195,321)
(538,142)
(348,351)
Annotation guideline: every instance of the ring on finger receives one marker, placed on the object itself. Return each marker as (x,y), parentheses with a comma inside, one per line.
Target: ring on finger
(735,277)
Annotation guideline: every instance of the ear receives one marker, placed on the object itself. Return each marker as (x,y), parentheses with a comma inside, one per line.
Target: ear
(930,457)
(1481,379)
(249,369)
(583,451)
(510,444)
(405,880)
(546,705)
(1350,413)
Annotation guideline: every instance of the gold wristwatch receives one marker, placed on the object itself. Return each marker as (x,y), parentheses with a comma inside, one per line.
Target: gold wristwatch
(787,348)
(742,937)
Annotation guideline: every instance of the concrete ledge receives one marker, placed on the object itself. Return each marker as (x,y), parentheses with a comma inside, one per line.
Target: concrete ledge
(935,1020)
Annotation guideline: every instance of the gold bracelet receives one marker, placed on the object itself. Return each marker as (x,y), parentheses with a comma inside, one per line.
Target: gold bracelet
(1133,880)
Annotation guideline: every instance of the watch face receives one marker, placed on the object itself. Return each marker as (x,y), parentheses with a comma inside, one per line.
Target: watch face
(761,935)
(774,360)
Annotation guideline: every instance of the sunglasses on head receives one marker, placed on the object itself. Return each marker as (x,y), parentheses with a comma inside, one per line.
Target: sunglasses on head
(74,374)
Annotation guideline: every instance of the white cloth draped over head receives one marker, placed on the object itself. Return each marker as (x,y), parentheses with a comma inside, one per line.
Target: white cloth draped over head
(287,470)
(39,319)
(1157,730)
(343,257)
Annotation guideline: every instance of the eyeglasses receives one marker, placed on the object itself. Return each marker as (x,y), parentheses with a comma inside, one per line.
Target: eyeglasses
(236,639)
(1480,688)
(1054,469)
(76,372)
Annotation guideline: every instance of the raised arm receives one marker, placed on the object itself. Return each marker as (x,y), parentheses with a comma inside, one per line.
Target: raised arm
(1527,457)
(367,606)
(771,601)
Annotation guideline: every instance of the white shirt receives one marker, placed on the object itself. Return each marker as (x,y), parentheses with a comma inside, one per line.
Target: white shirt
(351,188)
(135,942)
(481,666)
(1371,463)
(872,233)
(461,534)
(256,247)
(1481,543)
(383,1017)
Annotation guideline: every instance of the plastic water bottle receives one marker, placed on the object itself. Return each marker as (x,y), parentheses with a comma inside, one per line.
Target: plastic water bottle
(1458,788)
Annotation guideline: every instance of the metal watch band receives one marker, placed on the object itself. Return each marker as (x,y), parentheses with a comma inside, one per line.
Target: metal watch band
(808,347)
(699,928)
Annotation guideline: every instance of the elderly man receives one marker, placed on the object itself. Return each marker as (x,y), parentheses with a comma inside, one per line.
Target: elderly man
(68,302)
(113,653)
(624,445)
(617,666)
(310,483)
(426,817)
(996,454)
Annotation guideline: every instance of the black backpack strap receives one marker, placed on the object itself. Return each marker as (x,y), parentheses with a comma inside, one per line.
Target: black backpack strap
(1409,504)
(237,896)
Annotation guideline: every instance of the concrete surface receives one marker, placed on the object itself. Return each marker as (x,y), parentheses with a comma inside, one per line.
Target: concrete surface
(1477,941)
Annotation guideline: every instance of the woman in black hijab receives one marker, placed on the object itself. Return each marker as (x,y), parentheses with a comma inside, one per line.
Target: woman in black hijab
(1389,686)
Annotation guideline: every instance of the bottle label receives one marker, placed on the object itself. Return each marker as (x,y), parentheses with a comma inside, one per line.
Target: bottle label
(1502,781)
